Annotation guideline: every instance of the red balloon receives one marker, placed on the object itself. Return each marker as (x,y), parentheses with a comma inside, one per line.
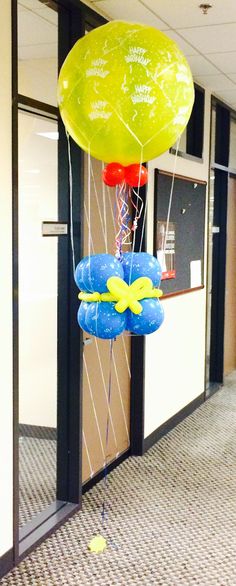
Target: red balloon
(113,174)
(135,176)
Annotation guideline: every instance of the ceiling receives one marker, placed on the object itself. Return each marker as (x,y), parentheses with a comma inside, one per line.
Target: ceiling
(37,30)
(208,41)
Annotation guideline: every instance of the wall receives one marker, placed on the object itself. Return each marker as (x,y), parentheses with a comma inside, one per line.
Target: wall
(175,354)
(6,405)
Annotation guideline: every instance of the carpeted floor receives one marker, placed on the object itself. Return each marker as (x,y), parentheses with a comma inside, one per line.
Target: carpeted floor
(37,476)
(172,514)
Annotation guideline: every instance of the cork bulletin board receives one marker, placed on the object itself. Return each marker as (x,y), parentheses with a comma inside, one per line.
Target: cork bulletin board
(180,249)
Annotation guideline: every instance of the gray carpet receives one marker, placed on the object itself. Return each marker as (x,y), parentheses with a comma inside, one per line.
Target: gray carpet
(37,476)
(172,514)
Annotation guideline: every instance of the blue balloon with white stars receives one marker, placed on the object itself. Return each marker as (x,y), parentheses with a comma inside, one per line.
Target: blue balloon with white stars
(141,264)
(81,316)
(149,320)
(103,321)
(100,318)
(80,271)
(97,270)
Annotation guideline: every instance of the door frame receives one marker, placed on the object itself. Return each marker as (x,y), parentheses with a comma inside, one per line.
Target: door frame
(73,17)
(222,170)
(68,498)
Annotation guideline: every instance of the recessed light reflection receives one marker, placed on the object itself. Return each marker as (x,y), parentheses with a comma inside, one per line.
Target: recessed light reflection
(50,135)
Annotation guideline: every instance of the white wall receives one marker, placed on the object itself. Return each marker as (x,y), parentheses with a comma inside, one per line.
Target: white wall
(6,404)
(175,354)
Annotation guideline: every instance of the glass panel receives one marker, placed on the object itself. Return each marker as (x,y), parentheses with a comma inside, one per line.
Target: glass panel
(232,143)
(182,143)
(209,272)
(210,244)
(37,51)
(37,314)
(213,134)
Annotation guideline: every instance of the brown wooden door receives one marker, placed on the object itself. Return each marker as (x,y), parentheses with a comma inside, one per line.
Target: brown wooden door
(96,357)
(230,285)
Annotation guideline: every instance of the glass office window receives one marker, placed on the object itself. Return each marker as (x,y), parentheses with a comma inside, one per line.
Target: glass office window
(232,143)
(37,51)
(191,141)
(37,314)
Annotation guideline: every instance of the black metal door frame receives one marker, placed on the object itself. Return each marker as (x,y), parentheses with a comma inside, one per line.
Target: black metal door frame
(69,492)
(221,170)
(218,277)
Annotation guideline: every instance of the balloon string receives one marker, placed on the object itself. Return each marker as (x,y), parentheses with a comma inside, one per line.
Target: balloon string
(138,212)
(89,213)
(104,213)
(143,222)
(107,432)
(136,218)
(71,201)
(122,237)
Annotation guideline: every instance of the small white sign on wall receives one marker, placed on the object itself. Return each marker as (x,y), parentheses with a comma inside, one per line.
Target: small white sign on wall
(54,229)
(195,273)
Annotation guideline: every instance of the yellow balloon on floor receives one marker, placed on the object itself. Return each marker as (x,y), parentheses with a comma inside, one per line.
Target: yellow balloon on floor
(125,92)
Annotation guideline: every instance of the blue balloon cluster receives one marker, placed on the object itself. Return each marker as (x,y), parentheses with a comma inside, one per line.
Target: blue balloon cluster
(100,318)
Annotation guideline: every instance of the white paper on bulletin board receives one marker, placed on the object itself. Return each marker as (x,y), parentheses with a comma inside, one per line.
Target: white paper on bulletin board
(195,273)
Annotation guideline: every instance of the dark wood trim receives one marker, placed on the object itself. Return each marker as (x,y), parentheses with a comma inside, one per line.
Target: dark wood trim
(46,529)
(177,176)
(36,107)
(100,475)
(6,562)
(182,292)
(156,435)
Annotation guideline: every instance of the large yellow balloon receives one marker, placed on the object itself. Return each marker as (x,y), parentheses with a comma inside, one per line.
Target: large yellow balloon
(125,92)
